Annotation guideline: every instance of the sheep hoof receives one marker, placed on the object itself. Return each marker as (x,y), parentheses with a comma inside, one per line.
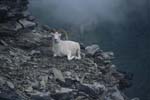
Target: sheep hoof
(70,58)
(78,58)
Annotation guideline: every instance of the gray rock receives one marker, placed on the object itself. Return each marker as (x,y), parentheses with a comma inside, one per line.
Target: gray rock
(25,13)
(135,98)
(29,89)
(27,24)
(58,74)
(31,18)
(33,52)
(10,85)
(43,82)
(2,81)
(64,90)
(108,55)
(92,49)
(116,95)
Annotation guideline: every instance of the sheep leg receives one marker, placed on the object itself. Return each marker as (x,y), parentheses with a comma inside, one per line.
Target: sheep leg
(78,54)
(69,57)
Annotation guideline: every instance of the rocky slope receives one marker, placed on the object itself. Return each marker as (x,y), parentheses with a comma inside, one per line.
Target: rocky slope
(28,71)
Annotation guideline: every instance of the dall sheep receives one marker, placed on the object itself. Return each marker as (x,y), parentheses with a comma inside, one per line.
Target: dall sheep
(67,48)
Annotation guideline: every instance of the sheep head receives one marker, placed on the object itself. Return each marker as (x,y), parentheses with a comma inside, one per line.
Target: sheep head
(56,37)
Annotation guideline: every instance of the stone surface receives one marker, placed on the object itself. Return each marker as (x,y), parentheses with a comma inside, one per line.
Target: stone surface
(92,49)
(28,70)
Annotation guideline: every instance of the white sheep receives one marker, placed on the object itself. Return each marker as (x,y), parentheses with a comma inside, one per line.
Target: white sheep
(67,48)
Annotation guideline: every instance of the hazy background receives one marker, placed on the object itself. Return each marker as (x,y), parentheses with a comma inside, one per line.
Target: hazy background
(121,26)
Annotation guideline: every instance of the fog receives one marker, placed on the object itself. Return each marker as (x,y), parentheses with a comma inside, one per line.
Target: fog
(78,12)
(122,26)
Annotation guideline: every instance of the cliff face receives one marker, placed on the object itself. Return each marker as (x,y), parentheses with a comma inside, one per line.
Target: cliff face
(12,9)
(28,71)
(14,17)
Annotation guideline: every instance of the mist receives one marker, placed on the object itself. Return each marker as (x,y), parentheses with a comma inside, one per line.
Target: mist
(122,26)
(78,12)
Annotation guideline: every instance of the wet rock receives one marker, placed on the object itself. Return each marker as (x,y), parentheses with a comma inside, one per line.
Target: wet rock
(91,50)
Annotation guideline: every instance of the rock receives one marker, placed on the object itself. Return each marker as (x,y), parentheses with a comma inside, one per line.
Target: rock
(82,46)
(27,24)
(2,81)
(62,96)
(64,90)
(9,28)
(31,18)
(108,55)
(88,90)
(10,85)
(37,95)
(135,98)
(34,52)
(35,85)
(25,13)
(29,89)
(116,95)
(92,49)
(58,74)
(43,82)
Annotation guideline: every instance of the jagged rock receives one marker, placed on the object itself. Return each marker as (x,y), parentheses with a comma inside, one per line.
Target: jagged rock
(107,55)
(10,85)
(9,28)
(114,95)
(135,99)
(27,24)
(30,72)
(92,49)
(63,96)
(29,89)
(25,14)
(58,74)
(44,80)
(2,81)
(34,52)
(37,95)
(64,90)
(31,18)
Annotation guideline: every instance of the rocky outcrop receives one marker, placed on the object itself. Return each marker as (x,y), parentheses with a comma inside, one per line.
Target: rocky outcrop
(30,72)
(14,17)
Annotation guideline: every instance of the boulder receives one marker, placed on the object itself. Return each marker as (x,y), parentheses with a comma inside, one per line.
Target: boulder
(27,24)
(91,50)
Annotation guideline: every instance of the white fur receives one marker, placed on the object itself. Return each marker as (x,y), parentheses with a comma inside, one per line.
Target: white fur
(67,48)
